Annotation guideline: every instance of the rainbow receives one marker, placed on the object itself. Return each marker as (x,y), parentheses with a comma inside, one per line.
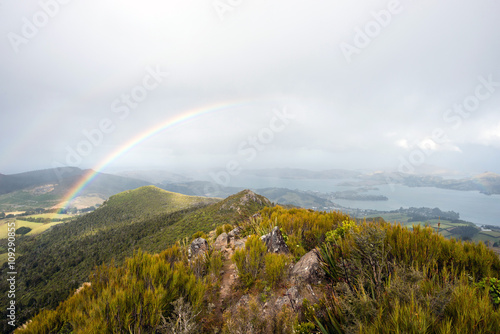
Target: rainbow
(87,178)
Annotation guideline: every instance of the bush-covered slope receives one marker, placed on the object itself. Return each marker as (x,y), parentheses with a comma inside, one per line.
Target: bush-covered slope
(379,278)
(59,260)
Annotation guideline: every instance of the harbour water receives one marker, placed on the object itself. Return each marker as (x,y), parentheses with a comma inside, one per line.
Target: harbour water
(471,205)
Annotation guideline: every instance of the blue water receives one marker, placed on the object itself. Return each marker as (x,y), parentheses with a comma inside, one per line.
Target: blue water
(471,205)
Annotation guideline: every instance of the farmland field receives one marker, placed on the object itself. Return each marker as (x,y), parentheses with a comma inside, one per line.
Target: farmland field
(36,228)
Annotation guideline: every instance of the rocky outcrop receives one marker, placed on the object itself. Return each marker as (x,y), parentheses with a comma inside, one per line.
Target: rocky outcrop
(275,242)
(238,243)
(308,269)
(221,242)
(199,245)
(235,232)
(281,302)
(244,200)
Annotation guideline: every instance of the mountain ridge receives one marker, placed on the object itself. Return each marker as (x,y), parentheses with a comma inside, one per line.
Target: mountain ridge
(20,190)
(61,258)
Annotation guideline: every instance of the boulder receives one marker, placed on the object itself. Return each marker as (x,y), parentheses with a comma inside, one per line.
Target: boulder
(275,242)
(199,245)
(282,301)
(238,244)
(294,297)
(243,302)
(221,242)
(308,269)
(235,232)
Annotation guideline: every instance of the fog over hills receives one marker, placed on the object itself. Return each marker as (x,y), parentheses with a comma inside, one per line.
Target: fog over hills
(177,86)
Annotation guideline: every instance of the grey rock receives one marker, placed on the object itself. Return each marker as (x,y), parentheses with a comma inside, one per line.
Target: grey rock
(292,299)
(221,242)
(308,269)
(275,242)
(199,245)
(243,302)
(294,296)
(239,244)
(235,232)
(281,302)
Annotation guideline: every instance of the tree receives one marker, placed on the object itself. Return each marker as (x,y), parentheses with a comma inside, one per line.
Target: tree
(23,230)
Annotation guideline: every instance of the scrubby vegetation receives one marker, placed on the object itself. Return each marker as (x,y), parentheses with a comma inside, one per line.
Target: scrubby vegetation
(385,278)
(60,260)
(378,278)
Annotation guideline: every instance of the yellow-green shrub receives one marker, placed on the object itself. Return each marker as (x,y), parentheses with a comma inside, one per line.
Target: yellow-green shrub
(199,234)
(250,260)
(305,228)
(275,268)
(134,297)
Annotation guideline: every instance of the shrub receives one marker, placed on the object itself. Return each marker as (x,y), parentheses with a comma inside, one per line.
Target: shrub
(388,279)
(250,319)
(250,260)
(182,320)
(219,230)
(346,227)
(135,297)
(215,262)
(492,285)
(198,234)
(227,228)
(275,268)
(305,228)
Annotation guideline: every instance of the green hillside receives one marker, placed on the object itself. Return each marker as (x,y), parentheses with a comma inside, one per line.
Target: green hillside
(150,201)
(59,260)
(365,277)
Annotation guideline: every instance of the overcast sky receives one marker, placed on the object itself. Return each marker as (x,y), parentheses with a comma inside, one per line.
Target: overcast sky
(356,84)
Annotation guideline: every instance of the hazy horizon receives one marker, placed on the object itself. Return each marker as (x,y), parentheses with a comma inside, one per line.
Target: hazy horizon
(373,85)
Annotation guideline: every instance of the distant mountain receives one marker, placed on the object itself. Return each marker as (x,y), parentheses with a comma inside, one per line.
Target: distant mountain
(490,182)
(22,181)
(295,197)
(283,196)
(155,176)
(487,183)
(293,173)
(147,218)
(47,188)
(200,188)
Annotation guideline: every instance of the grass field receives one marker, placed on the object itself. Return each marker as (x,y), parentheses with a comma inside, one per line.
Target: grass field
(36,228)
(14,213)
(3,258)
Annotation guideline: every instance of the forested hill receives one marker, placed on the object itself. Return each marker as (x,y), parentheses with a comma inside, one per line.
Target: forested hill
(56,262)
(290,271)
